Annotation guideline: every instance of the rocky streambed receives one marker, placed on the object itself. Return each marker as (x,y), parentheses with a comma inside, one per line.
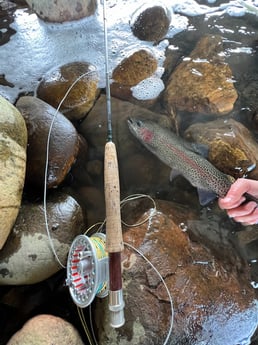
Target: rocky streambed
(191,68)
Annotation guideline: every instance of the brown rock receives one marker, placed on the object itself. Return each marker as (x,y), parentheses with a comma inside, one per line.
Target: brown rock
(62,10)
(203,82)
(209,296)
(46,330)
(232,148)
(151,23)
(64,142)
(13,142)
(83,94)
(133,69)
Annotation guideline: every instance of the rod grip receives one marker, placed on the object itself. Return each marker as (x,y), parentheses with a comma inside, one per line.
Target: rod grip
(114,238)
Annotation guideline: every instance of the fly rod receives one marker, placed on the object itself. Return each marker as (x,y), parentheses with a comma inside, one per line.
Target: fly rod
(114,239)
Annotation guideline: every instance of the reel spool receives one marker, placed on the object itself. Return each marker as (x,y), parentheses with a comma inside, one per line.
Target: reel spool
(87,269)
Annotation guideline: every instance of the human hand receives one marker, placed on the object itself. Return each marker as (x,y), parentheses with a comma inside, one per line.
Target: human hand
(234,202)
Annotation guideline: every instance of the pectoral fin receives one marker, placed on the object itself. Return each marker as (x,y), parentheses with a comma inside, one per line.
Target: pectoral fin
(174,173)
(205,197)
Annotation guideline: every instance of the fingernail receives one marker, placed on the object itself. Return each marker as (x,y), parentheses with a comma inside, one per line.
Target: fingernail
(227,199)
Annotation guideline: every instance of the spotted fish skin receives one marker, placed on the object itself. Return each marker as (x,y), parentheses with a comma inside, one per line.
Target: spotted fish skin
(177,154)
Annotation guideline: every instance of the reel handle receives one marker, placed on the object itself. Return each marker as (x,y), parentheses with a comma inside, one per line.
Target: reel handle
(114,239)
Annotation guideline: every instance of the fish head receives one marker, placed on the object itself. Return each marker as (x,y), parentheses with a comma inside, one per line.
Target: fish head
(142,130)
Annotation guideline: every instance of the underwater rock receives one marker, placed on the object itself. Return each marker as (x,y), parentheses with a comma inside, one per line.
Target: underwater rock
(62,10)
(55,84)
(46,330)
(13,143)
(27,256)
(63,145)
(150,23)
(213,302)
(232,147)
(203,81)
(147,176)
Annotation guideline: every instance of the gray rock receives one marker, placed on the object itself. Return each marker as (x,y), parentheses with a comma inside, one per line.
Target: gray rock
(27,257)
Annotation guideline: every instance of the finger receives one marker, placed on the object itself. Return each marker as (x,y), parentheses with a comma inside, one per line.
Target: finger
(245,209)
(247,215)
(235,197)
(231,202)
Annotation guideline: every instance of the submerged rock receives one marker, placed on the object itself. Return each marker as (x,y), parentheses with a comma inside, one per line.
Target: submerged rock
(202,82)
(55,84)
(213,302)
(232,147)
(46,330)
(64,142)
(62,10)
(13,143)
(27,256)
(149,174)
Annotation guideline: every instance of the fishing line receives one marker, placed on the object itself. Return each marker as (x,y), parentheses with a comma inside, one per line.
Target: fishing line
(136,197)
(46,167)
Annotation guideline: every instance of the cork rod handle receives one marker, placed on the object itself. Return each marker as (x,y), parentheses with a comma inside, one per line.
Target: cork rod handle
(114,239)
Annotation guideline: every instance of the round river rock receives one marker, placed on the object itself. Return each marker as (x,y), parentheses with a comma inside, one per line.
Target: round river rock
(64,142)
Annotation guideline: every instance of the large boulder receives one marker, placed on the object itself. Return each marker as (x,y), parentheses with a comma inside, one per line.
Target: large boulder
(213,301)
(13,143)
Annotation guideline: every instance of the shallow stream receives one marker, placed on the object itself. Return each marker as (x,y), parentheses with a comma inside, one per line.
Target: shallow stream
(29,48)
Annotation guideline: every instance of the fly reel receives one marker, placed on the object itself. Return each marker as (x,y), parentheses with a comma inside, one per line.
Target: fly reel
(87,269)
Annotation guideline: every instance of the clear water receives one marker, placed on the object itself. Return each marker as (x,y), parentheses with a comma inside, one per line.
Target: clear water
(35,42)
(35,48)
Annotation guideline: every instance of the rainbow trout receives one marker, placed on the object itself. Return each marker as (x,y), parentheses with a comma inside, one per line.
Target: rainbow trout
(180,156)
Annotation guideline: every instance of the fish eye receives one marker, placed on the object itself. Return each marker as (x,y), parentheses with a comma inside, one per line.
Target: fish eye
(139,123)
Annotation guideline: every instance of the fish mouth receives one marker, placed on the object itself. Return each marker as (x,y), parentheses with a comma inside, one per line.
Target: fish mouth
(131,124)
(134,123)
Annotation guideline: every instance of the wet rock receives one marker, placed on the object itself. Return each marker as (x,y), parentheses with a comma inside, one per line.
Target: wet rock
(130,73)
(27,256)
(203,81)
(83,94)
(13,142)
(133,69)
(232,147)
(46,330)
(62,10)
(151,23)
(63,145)
(213,302)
